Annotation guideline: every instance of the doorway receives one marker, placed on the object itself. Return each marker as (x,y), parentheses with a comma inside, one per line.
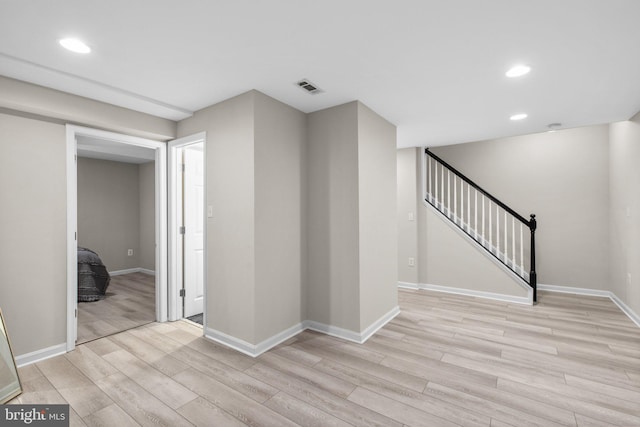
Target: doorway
(103,146)
(187,228)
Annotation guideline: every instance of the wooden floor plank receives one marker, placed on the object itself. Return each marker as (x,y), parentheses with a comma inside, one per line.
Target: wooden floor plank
(445,360)
(129,303)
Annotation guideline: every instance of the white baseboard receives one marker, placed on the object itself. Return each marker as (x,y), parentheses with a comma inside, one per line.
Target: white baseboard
(255,350)
(625,309)
(596,293)
(468,292)
(378,324)
(40,355)
(408,285)
(132,270)
(349,335)
(572,290)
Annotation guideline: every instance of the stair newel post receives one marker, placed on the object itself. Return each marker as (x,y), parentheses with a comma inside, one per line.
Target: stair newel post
(533,280)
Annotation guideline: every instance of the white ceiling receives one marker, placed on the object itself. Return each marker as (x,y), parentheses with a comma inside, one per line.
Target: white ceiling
(102,149)
(433,68)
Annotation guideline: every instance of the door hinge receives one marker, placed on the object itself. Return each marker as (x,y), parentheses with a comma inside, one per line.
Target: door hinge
(182,293)
(182,229)
(183,167)
(76,314)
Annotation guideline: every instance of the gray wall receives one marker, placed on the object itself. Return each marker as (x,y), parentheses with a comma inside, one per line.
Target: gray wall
(624,205)
(408,198)
(442,256)
(109,211)
(256,245)
(147,192)
(377,222)
(230,233)
(352,235)
(562,177)
(116,212)
(280,244)
(33,191)
(33,275)
(333,287)
(61,107)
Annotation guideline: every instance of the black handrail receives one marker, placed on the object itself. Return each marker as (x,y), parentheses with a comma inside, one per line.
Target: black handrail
(531,223)
(480,189)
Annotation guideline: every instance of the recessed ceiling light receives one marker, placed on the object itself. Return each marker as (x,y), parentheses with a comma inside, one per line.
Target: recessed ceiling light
(75,45)
(518,70)
(518,116)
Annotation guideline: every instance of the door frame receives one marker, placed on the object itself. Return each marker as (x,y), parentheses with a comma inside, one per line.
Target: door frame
(72,132)
(175,248)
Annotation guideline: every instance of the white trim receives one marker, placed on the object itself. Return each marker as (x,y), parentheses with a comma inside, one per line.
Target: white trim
(255,350)
(595,293)
(625,309)
(132,270)
(125,271)
(572,290)
(40,355)
(408,285)
(349,335)
(479,247)
(528,300)
(334,331)
(378,324)
(174,247)
(72,243)
(72,131)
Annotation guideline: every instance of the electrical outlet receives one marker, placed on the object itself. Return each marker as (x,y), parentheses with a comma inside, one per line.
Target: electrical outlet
(129,252)
(412,262)
(411,216)
(629,279)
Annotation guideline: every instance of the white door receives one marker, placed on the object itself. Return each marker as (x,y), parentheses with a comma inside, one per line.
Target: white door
(193,215)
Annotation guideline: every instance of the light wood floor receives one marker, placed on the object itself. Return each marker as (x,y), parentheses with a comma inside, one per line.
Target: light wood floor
(130,302)
(446,360)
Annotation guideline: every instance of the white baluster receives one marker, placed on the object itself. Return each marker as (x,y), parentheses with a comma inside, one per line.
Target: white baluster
(506,232)
(498,231)
(521,251)
(483,238)
(469,208)
(455,199)
(490,229)
(475,214)
(513,241)
(442,188)
(462,203)
(448,193)
(435,182)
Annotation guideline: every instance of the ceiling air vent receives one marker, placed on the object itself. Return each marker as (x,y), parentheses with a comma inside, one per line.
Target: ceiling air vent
(308,86)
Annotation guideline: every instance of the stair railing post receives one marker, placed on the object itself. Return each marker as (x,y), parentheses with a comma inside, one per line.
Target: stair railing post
(533,279)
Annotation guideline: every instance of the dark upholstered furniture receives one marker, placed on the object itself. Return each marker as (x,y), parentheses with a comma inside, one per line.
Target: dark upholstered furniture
(93,277)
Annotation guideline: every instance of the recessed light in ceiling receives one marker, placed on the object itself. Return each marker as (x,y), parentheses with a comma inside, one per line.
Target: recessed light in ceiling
(518,70)
(75,45)
(518,116)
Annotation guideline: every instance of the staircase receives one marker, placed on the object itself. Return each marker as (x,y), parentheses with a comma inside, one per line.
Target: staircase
(493,225)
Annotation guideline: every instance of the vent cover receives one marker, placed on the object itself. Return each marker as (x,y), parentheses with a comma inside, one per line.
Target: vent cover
(307,86)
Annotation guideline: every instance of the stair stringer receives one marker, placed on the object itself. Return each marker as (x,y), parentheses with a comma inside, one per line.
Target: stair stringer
(455,262)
